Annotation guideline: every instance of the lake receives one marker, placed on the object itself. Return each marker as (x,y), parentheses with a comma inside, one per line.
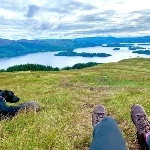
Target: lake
(48,58)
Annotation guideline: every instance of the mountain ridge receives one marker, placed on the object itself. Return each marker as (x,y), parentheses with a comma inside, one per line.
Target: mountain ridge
(13,48)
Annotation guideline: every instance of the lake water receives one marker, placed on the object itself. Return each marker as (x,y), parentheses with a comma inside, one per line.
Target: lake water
(48,58)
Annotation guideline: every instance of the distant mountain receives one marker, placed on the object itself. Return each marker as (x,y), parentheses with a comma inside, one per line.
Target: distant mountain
(12,48)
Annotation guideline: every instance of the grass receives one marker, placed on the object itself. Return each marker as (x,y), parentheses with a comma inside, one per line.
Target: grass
(68,98)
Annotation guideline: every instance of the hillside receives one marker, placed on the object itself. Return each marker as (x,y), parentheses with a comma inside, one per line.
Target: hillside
(68,98)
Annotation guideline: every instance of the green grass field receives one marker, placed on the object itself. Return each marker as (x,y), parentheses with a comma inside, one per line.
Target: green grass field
(68,99)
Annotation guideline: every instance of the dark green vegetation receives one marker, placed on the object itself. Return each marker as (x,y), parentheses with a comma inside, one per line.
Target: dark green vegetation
(12,48)
(83,54)
(81,65)
(147,52)
(116,49)
(68,98)
(30,67)
(37,67)
(136,48)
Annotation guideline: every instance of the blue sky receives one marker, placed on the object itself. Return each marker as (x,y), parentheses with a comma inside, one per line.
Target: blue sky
(30,19)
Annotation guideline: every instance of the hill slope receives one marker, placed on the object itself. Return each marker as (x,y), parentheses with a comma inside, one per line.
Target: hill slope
(68,98)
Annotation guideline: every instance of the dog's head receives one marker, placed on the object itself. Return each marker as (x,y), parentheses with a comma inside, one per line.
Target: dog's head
(9,96)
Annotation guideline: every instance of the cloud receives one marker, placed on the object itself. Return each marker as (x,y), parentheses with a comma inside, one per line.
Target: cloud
(32,10)
(97,17)
(73,18)
(71,27)
(70,6)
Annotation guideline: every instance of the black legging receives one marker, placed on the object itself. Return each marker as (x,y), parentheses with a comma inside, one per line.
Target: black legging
(107,136)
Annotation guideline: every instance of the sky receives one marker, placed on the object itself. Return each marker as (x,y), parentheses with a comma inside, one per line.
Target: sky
(44,19)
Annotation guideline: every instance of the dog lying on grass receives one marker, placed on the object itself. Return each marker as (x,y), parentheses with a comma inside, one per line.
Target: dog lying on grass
(10,111)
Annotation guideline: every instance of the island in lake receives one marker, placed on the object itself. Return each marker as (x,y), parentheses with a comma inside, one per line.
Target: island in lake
(118,45)
(116,49)
(144,44)
(83,54)
(136,47)
(146,52)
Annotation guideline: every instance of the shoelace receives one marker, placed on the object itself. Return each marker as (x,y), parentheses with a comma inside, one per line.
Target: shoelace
(144,124)
(99,116)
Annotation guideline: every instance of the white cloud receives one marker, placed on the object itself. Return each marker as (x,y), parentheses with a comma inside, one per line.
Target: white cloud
(72,18)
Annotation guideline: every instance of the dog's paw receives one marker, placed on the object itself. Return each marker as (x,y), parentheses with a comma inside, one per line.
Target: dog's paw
(30,105)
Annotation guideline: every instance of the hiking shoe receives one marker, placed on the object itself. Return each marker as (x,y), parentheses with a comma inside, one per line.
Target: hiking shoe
(98,114)
(142,124)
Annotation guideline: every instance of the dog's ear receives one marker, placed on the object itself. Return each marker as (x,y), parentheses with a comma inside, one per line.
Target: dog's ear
(6,92)
(1,92)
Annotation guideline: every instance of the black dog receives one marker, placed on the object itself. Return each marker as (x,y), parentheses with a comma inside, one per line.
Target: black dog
(11,111)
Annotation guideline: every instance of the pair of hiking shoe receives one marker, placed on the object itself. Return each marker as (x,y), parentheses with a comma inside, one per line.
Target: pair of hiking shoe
(139,118)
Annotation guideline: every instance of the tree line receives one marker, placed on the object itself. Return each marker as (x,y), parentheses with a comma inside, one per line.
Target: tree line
(37,67)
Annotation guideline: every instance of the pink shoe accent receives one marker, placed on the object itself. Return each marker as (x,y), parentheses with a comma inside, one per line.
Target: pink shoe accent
(147,136)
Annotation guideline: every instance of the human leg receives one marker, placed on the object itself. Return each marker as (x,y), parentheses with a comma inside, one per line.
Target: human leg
(106,134)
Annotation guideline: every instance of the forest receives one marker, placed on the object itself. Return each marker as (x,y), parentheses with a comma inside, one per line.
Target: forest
(37,67)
